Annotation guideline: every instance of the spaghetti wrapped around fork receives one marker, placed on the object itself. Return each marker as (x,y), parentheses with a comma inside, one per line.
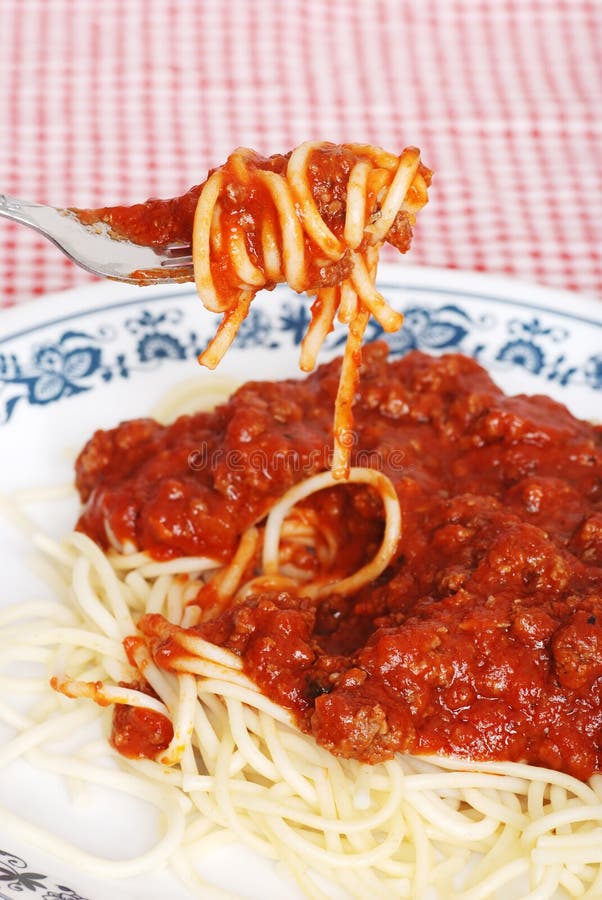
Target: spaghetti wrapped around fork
(315,218)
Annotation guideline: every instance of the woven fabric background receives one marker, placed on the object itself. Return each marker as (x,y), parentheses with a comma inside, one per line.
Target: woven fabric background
(118,100)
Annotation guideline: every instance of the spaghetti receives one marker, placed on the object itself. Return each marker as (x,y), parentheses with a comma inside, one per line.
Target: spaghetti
(274,645)
(234,765)
(315,219)
(379,639)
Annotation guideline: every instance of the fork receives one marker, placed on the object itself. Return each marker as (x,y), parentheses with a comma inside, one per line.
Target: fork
(93,248)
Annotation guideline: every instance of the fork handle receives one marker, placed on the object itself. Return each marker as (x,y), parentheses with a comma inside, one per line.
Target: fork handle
(93,248)
(47,220)
(22,211)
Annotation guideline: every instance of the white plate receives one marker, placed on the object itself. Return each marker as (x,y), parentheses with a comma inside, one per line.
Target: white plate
(86,359)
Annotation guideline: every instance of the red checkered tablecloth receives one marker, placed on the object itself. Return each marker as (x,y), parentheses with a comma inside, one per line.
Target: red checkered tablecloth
(118,100)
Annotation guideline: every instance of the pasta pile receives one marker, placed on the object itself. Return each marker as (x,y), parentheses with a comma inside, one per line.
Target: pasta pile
(238,768)
(243,772)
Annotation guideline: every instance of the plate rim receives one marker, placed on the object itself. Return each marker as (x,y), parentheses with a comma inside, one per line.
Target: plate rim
(97,297)
(25,318)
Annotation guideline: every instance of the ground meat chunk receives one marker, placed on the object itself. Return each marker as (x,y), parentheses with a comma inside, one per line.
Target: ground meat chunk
(577,651)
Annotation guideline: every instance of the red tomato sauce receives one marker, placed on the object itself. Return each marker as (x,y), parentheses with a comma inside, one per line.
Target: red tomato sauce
(140,733)
(483,638)
(245,206)
(159,222)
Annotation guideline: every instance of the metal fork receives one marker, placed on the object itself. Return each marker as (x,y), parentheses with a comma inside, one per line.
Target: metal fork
(93,248)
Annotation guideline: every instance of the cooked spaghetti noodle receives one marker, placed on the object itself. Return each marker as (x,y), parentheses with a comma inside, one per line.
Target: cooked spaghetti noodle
(315,219)
(396,829)
(230,764)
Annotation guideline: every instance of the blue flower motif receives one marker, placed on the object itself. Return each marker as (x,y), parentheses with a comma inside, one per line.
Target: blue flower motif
(30,881)
(156,340)
(60,371)
(76,361)
(158,345)
(9,366)
(15,872)
(522,353)
(400,343)
(593,371)
(146,321)
(46,388)
(256,331)
(80,363)
(443,335)
(536,328)
(62,893)
(438,329)
(50,359)
(56,370)
(295,319)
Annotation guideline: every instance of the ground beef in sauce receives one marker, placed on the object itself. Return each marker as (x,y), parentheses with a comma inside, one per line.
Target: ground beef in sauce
(484,636)
(246,205)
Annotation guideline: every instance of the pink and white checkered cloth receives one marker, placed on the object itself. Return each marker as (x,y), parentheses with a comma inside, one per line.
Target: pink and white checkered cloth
(123,99)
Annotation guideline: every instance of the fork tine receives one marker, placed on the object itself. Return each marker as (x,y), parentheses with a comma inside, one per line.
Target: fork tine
(177,251)
(92,247)
(177,262)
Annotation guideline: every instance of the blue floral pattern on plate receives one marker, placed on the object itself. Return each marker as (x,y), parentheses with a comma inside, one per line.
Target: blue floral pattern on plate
(16,876)
(59,363)
(80,349)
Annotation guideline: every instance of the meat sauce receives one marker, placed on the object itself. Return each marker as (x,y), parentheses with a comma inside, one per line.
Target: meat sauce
(482,639)
(137,732)
(245,205)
